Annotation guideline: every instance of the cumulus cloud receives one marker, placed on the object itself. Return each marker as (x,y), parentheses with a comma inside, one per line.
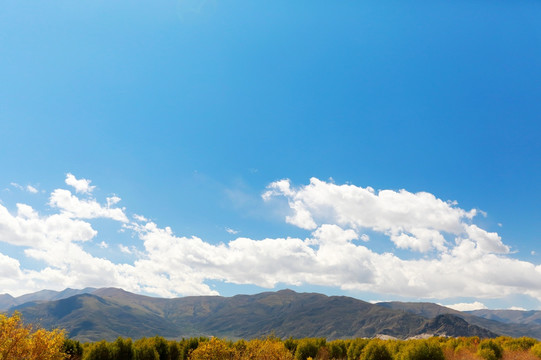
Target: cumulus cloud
(460,257)
(81,185)
(27,228)
(415,221)
(86,208)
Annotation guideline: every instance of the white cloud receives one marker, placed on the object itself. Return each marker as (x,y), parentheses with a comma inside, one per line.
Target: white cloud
(113,200)
(85,209)
(27,228)
(28,188)
(140,218)
(517,308)
(80,185)
(473,263)
(103,245)
(231,231)
(124,249)
(467,306)
(416,221)
(490,242)
(17,186)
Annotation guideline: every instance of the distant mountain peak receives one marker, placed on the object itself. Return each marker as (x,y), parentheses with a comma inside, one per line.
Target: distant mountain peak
(7,301)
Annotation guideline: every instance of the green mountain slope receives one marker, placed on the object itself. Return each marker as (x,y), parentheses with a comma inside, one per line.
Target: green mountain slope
(109,313)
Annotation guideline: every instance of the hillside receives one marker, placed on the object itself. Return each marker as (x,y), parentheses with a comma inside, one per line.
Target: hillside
(513,323)
(109,313)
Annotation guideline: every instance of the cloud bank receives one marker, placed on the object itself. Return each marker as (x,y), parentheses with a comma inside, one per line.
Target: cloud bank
(448,254)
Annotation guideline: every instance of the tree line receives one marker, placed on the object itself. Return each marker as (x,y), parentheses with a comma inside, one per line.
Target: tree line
(19,341)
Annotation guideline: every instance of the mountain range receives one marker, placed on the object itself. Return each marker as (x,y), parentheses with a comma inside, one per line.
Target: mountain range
(107,313)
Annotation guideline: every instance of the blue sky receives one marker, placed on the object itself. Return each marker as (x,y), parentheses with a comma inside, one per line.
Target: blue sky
(273,120)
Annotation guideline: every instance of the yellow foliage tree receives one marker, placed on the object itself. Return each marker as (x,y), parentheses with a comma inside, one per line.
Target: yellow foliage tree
(266,349)
(21,342)
(215,349)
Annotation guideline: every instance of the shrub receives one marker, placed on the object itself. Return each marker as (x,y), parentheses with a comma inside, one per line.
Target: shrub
(536,350)
(189,345)
(338,349)
(421,350)
(174,350)
(123,349)
(490,350)
(146,352)
(306,348)
(376,350)
(99,351)
(356,347)
(517,344)
(73,349)
(291,345)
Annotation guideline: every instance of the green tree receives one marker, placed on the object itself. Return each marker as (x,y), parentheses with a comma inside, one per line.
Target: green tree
(338,349)
(123,349)
(174,350)
(73,349)
(162,347)
(376,350)
(306,348)
(99,351)
(291,345)
(490,350)
(146,351)
(189,345)
(355,348)
(421,350)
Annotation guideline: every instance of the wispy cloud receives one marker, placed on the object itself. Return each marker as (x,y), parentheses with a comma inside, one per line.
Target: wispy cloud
(28,188)
(231,231)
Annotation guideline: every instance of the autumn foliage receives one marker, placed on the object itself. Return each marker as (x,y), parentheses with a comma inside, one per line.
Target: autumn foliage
(22,342)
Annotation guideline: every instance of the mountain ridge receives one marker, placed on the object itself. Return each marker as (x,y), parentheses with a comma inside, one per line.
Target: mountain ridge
(7,301)
(482,318)
(107,313)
